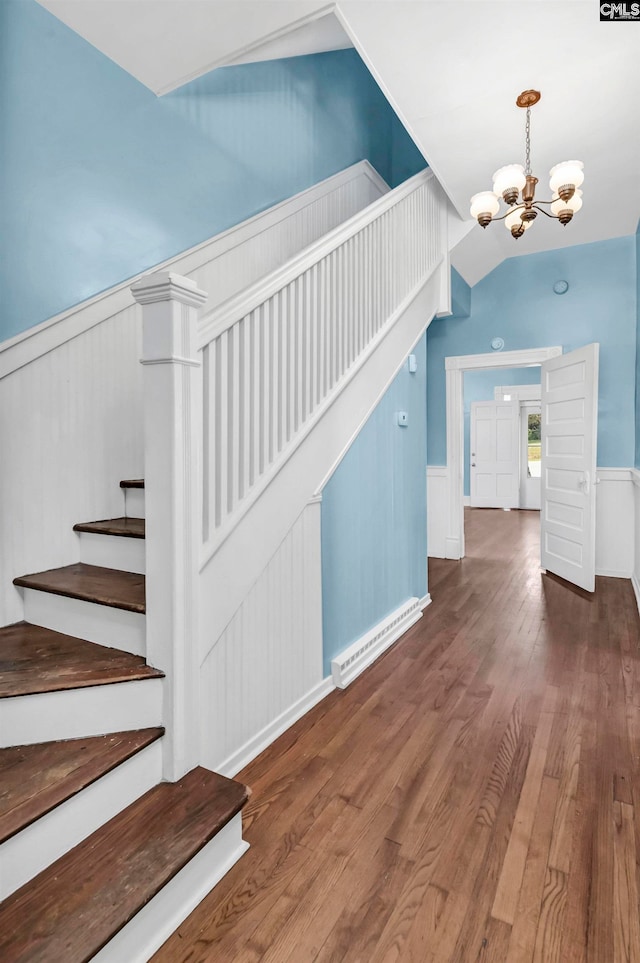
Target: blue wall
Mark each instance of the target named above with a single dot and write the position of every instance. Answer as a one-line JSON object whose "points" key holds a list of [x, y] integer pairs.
{"points": [[374, 543], [101, 180], [516, 302], [478, 386]]}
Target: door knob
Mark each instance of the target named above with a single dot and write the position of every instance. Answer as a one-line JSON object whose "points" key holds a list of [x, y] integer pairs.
{"points": [[473, 464]]}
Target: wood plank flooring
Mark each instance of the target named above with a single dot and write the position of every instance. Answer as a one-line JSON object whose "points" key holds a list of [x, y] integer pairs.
{"points": [[469, 799]]}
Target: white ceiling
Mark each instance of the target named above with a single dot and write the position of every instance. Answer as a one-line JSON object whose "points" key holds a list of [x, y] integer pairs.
{"points": [[452, 70]]}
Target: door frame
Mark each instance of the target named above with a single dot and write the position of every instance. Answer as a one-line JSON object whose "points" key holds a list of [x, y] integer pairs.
{"points": [[455, 367], [527, 408]]}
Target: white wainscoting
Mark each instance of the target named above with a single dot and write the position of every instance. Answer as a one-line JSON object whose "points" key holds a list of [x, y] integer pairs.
{"points": [[71, 388], [266, 670], [635, 578], [615, 549], [70, 429], [615, 522]]}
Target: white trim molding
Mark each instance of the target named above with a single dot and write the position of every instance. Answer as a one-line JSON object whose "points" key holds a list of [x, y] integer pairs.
{"points": [[362, 653], [337, 198], [455, 367], [437, 510], [258, 743]]}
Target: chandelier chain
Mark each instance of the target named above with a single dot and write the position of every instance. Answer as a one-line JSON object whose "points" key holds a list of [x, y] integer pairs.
{"points": [[527, 164]]}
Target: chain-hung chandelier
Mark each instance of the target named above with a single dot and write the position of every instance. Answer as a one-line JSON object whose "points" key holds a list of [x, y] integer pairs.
{"points": [[515, 181]]}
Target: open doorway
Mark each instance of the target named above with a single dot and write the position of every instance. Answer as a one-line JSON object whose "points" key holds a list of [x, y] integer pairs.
{"points": [[502, 440], [456, 366], [570, 413]]}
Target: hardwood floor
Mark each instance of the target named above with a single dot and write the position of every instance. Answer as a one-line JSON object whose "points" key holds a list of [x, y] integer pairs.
{"points": [[469, 799]]}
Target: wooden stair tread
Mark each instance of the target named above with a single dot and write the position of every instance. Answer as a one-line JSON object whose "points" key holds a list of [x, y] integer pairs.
{"points": [[35, 779], [124, 527], [82, 900], [132, 483], [91, 583], [34, 659]]}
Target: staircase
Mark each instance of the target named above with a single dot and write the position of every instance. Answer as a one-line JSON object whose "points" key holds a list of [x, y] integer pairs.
{"points": [[98, 857], [108, 683]]}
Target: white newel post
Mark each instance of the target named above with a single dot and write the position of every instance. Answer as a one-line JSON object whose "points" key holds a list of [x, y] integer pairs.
{"points": [[172, 466]]}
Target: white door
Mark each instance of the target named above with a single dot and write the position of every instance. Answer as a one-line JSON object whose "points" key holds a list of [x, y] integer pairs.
{"points": [[495, 451], [569, 430]]}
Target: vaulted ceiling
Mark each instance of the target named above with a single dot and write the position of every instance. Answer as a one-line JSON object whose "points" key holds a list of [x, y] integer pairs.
{"points": [[451, 69]]}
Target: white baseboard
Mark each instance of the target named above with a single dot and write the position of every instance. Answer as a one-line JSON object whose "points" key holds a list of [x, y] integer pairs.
{"points": [[148, 930], [636, 588], [614, 573], [424, 601], [466, 501], [365, 650], [258, 743]]}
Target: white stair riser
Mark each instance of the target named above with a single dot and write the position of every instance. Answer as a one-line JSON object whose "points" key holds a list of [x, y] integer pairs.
{"points": [[134, 502], [113, 551], [117, 628], [29, 852], [156, 921], [74, 713]]}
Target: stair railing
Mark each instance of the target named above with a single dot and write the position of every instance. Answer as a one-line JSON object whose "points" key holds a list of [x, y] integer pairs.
{"points": [[229, 396], [273, 356]]}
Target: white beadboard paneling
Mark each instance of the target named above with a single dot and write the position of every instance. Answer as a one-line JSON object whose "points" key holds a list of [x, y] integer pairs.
{"points": [[437, 510], [614, 522], [71, 388], [70, 429], [270, 655]]}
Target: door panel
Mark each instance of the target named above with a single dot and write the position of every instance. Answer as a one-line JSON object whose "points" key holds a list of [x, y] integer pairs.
{"points": [[495, 450], [569, 437]]}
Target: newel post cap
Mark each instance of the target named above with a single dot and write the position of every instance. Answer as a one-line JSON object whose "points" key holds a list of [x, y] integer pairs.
{"points": [[167, 286]]}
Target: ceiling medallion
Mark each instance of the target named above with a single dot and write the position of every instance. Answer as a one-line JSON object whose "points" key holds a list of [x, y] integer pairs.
{"points": [[515, 181]]}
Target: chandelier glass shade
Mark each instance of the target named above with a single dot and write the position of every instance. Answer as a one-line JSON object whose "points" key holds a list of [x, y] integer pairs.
{"points": [[516, 185]]}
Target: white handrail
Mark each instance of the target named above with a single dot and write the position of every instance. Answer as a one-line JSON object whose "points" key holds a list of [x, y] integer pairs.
{"points": [[213, 323], [273, 358]]}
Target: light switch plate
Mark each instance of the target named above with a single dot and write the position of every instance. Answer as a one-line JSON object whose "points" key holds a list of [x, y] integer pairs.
{"points": [[403, 419]]}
